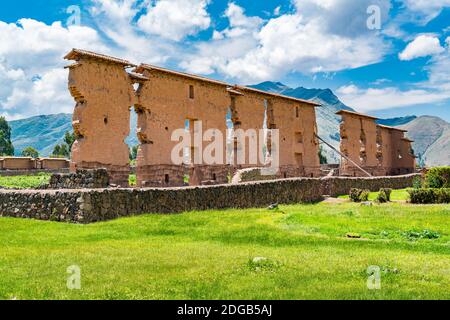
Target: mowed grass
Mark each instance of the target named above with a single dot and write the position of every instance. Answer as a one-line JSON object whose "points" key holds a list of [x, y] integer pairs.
{"points": [[208, 255], [396, 195], [24, 182]]}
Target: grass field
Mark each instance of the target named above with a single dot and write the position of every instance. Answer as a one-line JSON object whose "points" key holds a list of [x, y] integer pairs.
{"points": [[211, 255], [24, 182]]}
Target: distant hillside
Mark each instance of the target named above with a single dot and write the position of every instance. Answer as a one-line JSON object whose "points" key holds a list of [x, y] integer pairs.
{"points": [[46, 131], [40, 132], [393, 122], [431, 137]]}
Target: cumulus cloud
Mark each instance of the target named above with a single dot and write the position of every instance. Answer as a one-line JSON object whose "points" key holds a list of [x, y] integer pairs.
{"points": [[175, 19], [422, 46], [425, 10], [310, 40], [32, 80], [371, 99]]}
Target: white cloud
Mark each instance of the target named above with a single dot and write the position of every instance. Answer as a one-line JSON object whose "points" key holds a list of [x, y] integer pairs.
{"points": [[371, 99], [422, 46], [276, 11], [239, 23], [425, 10], [175, 19], [303, 42], [32, 80]]}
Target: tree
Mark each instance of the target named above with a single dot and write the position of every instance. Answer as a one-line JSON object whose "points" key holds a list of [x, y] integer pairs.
{"points": [[6, 147], [69, 139], [63, 150], [30, 152], [133, 152], [323, 159]]}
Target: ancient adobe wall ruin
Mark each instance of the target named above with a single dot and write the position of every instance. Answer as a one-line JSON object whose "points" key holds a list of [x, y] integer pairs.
{"points": [[165, 101], [103, 92], [379, 150]]}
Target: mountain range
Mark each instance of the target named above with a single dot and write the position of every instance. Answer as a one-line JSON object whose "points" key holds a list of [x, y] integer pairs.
{"points": [[431, 134]]}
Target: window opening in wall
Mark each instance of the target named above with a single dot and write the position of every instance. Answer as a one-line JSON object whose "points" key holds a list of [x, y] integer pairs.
{"points": [[166, 178], [191, 92], [105, 120], [299, 159], [266, 151], [297, 113], [214, 177], [230, 133], [187, 150]]}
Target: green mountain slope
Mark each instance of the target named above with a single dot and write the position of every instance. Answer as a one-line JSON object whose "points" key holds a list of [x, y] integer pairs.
{"points": [[40, 132]]}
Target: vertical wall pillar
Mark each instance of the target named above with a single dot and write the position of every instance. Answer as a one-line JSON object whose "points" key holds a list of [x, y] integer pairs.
{"points": [[103, 93]]}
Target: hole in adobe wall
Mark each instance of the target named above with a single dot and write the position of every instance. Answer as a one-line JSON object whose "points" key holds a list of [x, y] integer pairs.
{"points": [[166, 178], [214, 177], [105, 120]]}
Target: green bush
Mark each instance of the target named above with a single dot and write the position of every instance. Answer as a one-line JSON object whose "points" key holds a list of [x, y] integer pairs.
{"points": [[429, 195], [417, 182], [384, 195], [359, 195], [438, 177]]}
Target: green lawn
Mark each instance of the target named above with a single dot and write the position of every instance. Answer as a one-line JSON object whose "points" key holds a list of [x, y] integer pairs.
{"points": [[24, 182], [396, 195], [209, 255]]}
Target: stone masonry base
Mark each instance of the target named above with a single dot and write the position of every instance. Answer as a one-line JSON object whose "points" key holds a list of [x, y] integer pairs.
{"points": [[91, 205]]}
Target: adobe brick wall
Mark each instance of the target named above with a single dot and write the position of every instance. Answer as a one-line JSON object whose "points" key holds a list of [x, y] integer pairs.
{"points": [[91, 205]]}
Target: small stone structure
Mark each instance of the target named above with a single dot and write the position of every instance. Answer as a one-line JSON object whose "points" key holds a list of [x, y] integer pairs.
{"points": [[379, 150], [91, 205], [81, 179]]}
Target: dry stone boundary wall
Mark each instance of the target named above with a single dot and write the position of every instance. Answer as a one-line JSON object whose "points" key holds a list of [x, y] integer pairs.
{"points": [[92, 205]]}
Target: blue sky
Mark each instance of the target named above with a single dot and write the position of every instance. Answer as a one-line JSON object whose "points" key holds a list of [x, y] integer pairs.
{"points": [[383, 57]]}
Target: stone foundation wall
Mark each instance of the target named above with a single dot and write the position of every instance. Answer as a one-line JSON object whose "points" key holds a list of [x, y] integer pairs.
{"points": [[118, 175], [335, 186], [163, 175], [81, 179], [92, 205]]}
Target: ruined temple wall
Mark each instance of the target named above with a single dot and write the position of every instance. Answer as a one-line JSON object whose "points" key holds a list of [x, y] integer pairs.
{"points": [[101, 120], [298, 146], [350, 130], [166, 103], [407, 162], [386, 150], [248, 112], [311, 160], [359, 136]]}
